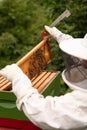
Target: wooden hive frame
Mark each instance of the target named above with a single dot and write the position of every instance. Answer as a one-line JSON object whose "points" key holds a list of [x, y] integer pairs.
{"points": [[33, 65]]}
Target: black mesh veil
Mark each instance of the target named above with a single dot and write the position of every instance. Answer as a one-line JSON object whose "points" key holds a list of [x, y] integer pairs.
{"points": [[76, 69]]}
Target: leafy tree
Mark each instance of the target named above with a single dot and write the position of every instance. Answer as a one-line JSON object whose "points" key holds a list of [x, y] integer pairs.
{"points": [[8, 52], [23, 20], [76, 23], [78, 18]]}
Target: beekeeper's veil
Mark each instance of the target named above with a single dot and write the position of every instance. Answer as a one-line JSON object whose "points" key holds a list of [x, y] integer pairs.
{"points": [[75, 74]]}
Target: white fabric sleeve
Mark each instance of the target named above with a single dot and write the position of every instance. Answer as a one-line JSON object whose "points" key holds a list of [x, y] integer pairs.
{"points": [[63, 37], [57, 34], [68, 112]]}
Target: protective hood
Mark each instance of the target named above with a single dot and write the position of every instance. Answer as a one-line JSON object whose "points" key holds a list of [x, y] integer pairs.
{"points": [[75, 80], [76, 47], [75, 74]]}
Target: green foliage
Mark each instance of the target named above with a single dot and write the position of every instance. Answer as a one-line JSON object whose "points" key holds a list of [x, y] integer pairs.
{"points": [[8, 51], [57, 61], [7, 42], [78, 19], [23, 20], [76, 23]]}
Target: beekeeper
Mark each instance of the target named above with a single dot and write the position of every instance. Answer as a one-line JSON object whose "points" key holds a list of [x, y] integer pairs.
{"points": [[66, 112]]}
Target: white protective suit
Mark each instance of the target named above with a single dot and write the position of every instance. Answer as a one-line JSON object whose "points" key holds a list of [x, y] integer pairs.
{"points": [[67, 112]]}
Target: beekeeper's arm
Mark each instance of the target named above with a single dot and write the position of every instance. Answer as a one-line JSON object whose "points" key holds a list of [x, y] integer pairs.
{"points": [[67, 112], [57, 34]]}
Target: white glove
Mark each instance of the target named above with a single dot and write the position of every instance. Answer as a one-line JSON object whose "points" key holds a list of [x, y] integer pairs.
{"points": [[11, 72], [57, 34], [21, 84]]}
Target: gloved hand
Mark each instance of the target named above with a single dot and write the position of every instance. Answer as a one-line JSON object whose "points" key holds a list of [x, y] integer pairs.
{"points": [[57, 34], [11, 72], [21, 84]]}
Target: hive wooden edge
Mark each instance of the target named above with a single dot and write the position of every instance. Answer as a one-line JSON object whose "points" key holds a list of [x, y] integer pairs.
{"points": [[57, 73]]}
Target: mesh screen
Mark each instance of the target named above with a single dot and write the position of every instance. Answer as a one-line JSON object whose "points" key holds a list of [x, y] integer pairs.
{"points": [[76, 69]]}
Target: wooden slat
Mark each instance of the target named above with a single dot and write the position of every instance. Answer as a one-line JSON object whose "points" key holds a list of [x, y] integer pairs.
{"points": [[41, 80], [1, 77], [6, 86], [46, 82], [4, 83], [39, 77]]}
